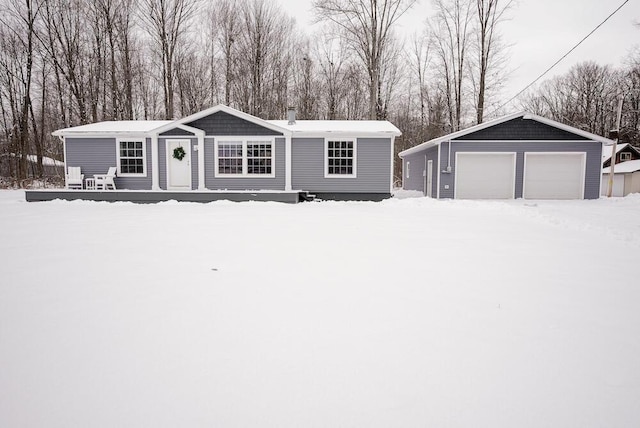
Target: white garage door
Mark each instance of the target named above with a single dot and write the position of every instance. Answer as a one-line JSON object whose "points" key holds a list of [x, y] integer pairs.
{"points": [[554, 175], [485, 175]]}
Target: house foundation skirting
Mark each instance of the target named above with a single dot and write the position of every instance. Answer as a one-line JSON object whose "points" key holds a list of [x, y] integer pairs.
{"points": [[149, 197]]}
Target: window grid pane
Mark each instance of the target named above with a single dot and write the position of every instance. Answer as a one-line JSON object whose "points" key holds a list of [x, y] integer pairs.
{"points": [[259, 158], [131, 157], [230, 158], [340, 157]]}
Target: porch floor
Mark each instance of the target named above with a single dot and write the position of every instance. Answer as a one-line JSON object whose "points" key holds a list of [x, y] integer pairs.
{"points": [[151, 196]]}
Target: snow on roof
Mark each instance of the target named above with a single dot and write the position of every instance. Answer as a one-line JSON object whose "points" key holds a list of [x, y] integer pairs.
{"points": [[114, 127], [624, 167], [338, 126], [607, 149]]}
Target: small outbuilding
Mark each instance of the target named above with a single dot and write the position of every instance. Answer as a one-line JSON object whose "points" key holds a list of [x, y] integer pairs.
{"points": [[521, 155], [626, 178]]}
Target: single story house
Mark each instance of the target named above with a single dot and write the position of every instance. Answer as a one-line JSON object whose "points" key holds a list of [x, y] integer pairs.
{"points": [[520, 155], [626, 178], [225, 151]]}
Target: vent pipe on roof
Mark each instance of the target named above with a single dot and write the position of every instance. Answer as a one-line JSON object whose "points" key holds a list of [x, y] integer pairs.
{"points": [[291, 115]]}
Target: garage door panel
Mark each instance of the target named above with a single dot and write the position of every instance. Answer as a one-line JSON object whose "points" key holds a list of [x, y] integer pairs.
{"points": [[554, 175], [485, 175]]}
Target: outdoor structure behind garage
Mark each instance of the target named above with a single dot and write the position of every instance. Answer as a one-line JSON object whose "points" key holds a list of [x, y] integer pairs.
{"points": [[516, 156]]}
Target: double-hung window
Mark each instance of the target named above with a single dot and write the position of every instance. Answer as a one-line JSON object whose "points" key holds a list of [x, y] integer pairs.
{"points": [[340, 158], [251, 157], [132, 157]]}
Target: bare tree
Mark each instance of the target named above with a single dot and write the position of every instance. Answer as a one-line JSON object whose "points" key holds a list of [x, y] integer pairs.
{"points": [[166, 22], [367, 28], [451, 42], [489, 14]]}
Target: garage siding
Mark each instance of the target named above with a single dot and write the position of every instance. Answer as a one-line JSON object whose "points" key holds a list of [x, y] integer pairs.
{"points": [[415, 181], [593, 150]]}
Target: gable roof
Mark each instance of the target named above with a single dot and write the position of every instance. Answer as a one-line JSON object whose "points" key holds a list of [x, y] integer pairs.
{"points": [[300, 127], [606, 150], [222, 108], [624, 167], [484, 125]]}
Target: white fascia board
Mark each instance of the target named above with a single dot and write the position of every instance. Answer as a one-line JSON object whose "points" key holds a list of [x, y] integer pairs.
{"points": [[484, 125], [343, 134], [110, 134], [458, 134], [226, 109]]}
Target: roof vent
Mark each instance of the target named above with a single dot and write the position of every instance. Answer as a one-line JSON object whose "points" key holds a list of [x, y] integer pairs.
{"points": [[291, 115]]}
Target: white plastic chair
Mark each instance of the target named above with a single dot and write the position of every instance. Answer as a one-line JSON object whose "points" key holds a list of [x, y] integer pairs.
{"points": [[103, 181], [74, 178]]}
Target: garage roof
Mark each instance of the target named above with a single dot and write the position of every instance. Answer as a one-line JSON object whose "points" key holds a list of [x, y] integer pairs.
{"points": [[481, 126]]}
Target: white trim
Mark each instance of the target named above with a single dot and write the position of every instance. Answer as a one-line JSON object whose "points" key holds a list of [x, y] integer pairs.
{"points": [[155, 163], [408, 169], [355, 157], [428, 177], [244, 140], [626, 154], [201, 164], [225, 109], [514, 155], [168, 157], [288, 156], [524, 115], [438, 172], [144, 156], [526, 141], [392, 157], [583, 155]]}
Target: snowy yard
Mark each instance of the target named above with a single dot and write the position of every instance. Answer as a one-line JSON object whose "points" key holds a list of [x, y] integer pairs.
{"points": [[405, 313]]}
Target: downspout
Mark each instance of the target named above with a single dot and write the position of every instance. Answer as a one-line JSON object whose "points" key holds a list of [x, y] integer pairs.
{"points": [[155, 173]]}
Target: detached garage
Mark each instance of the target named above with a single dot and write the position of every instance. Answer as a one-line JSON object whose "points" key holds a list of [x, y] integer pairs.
{"points": [[517, 156]]}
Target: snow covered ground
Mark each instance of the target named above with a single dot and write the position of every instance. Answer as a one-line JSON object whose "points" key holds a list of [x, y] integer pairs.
{"points": [[406, 313]]}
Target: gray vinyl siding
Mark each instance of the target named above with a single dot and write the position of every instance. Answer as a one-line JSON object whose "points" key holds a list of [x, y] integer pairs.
{"points": [[592, 149], [249, 183], [97, 155], [418, 166], [162, 161], [373, 172], [221, 123]]}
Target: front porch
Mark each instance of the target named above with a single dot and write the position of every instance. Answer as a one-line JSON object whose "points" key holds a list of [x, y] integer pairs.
{"points": [[150, 196]]}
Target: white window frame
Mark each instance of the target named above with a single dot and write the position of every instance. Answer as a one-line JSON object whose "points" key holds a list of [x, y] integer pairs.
{"points": [[355, 157], [144, 156], [625, 156], [244, 140]]}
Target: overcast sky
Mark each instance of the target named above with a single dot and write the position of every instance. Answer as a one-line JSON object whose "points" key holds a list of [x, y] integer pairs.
{"points": [[539, 32]]}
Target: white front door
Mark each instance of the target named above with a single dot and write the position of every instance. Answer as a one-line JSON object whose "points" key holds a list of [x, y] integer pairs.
{"points": [[178, 165]]}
